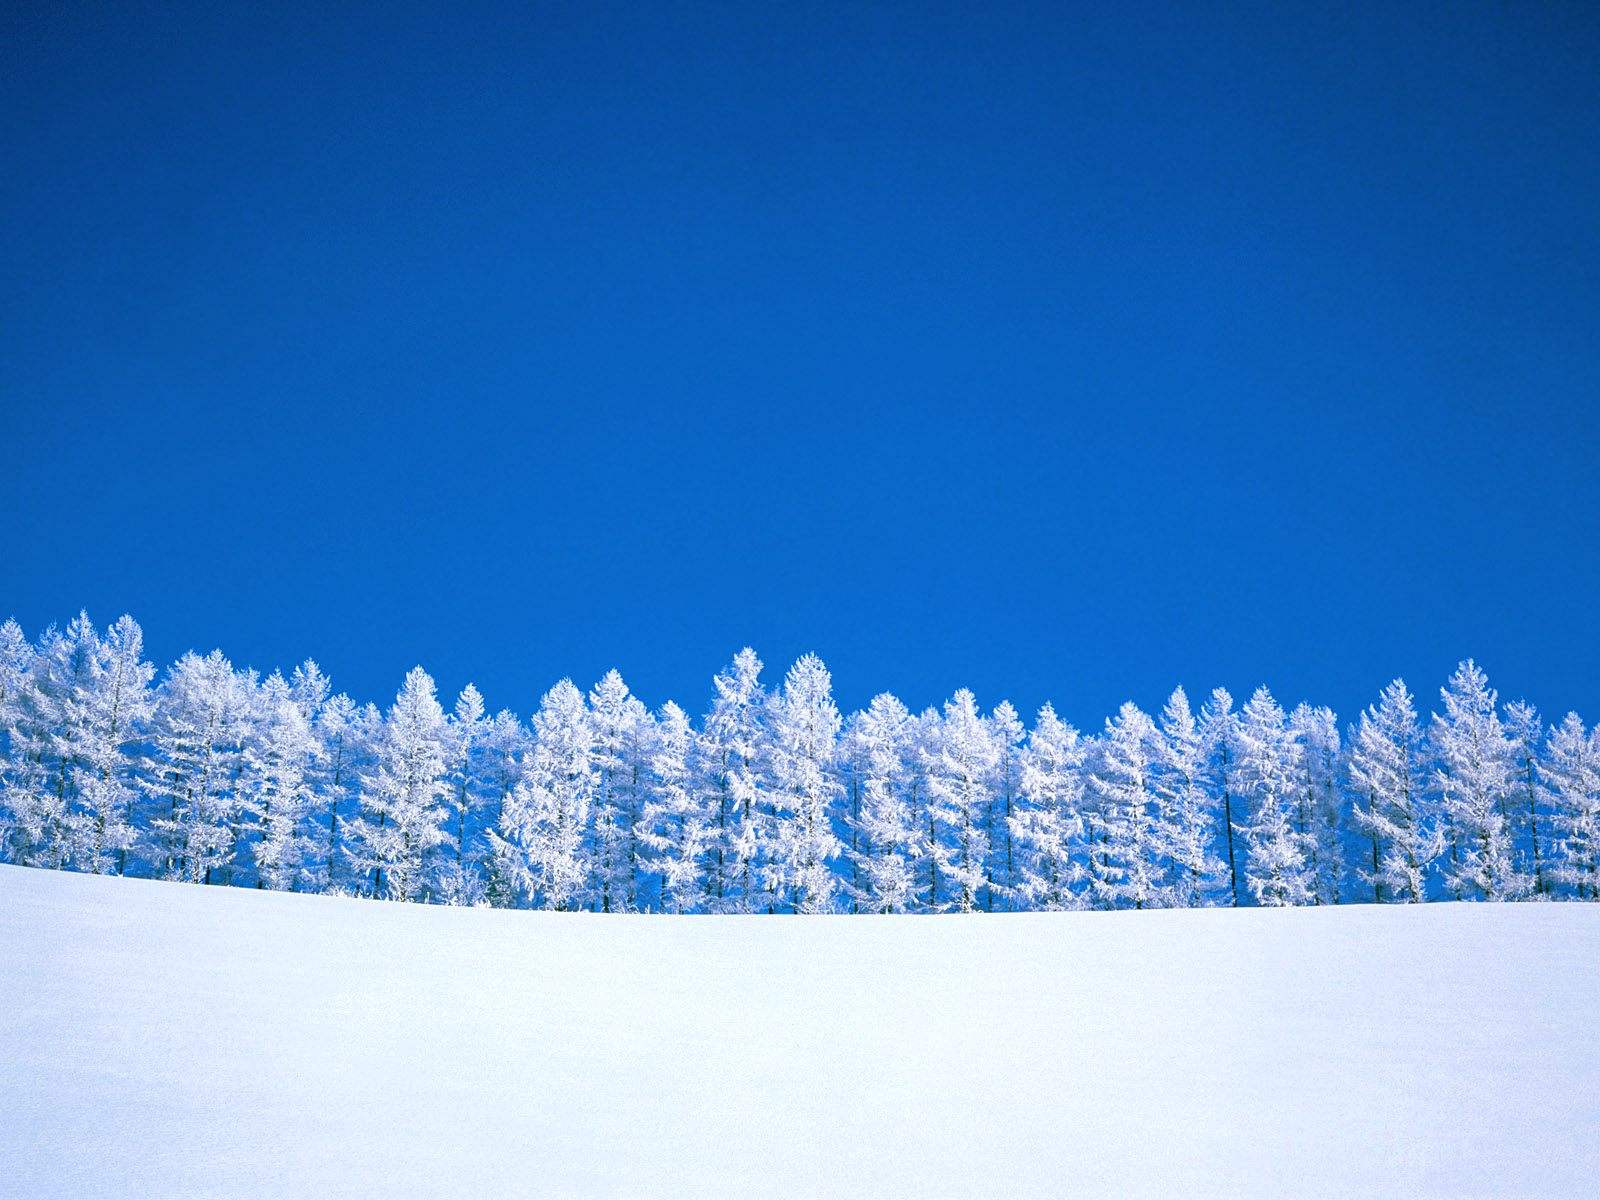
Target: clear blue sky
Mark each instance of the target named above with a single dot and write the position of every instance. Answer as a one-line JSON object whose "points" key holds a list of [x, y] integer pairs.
{"points": [[1063, 352]]}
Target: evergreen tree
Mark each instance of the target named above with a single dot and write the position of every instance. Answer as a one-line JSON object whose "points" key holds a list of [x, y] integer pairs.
{"points": [[1473, 781], [1571, 792], [402, 799], [805, 726], [1047, 822], [961, 773], [1390, 809], [1278, 868], [538, 847]]}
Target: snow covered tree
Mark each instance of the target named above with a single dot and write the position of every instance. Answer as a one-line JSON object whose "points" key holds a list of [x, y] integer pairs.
{"points": [[1126, 868], [1218, 725], [1047, 822], [16, 671], [732, 764], [402, 799], [459, 878], [346, 736], [1524, 729], [805, 726], [961, 774], [884, 852], [1319, 810], [197, 736], [539, 846], [1473, 781], [275, 790], [620, 727], [1189, 810], [1277, 869], [1571, 793], [1009, 736], [1390, 807], [675, 827]]}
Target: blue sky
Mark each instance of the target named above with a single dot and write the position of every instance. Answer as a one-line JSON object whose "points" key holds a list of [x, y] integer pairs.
{"points": [[1058, 352]]}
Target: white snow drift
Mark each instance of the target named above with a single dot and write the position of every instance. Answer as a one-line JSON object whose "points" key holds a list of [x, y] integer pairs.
{"points": [[170, 1040]]}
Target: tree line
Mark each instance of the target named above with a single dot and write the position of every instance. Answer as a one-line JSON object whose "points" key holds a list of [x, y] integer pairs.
{"points": [[773, 801]]}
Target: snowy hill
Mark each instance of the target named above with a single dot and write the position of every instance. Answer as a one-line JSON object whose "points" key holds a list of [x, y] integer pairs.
{"points": [[171, 1040]]}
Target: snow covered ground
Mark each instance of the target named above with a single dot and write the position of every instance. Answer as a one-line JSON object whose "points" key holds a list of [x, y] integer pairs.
{"points": [[166, 1040]]}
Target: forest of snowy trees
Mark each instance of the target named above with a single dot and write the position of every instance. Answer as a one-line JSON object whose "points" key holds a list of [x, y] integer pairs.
{"points": [[772, 801]]}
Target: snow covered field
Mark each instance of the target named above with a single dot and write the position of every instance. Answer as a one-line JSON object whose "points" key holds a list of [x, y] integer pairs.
{"points": [[170, 1040]]}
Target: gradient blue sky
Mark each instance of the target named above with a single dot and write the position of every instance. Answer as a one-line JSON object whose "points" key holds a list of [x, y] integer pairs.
{"points": [[1063, 352]]}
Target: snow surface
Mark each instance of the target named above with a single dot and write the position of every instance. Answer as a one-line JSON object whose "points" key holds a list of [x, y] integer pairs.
{"points": [[169, 1040]]}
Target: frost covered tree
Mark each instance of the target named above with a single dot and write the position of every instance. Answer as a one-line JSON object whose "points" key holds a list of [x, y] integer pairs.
{"points": [[675, 827], [197, 737], [885, 850], [805, 786], [347, 735], [1319, 809], [275, 789], [1277, 869], [402, 798], [1189, 810], [1218, 726], [732, 753], [1473, 780], [459, 872], [1523, 728], [1047, 822], [961, 772], [539, 847], [1389, 802], [620, 737], [1126, 867], [1009, 735], [1571, 793]]}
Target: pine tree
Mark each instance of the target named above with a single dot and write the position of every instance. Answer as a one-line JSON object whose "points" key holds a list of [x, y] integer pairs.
{"points": [[16, 771], [1473, 781], [732, 765], [539, 846], [1047, 822], [621, 733], [402, 799], [1390, 808], [1278, 869], [1571, 792], [961, 775], [884, 851], [805, 726], [1523, 728], [1218, 727], [675, 827], [1189, 810], [1126, 868]]}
